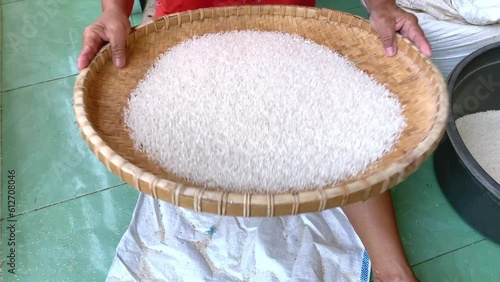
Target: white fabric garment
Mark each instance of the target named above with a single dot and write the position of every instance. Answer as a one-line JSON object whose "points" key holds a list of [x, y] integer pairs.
{"points": [[451, 42], [479, 12], [446, 26], [475, 12], [166, 243], [439, 9]]}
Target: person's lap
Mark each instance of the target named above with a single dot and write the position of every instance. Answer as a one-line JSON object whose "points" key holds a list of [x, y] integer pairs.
{"points": [[166, 243], [452, 41]]}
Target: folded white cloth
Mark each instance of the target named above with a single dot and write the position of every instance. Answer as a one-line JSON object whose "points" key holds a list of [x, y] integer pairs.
{"points": [[475, 12], [166, 243]]}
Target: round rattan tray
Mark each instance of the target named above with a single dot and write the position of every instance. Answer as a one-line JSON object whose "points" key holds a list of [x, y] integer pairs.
{"points": [[102, 92]]}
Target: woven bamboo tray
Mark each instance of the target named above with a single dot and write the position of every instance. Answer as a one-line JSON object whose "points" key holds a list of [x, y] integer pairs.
{"points": [[102, 92]]}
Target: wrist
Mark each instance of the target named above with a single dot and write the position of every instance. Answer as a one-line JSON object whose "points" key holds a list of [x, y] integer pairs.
{"points": [[372, 5], [123, 7]]}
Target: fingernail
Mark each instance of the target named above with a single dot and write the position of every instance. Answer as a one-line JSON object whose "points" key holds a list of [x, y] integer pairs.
{"points": [[119, 62], [390, 51]]}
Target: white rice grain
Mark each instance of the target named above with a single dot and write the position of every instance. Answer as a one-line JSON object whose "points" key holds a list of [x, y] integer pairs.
{"points": [[481, 134], [261, 112]]}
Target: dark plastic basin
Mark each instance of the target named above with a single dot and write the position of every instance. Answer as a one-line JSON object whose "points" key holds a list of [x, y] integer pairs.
{"points": [[474, 86]]}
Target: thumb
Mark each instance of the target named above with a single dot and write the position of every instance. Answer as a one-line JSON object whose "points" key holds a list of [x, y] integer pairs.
{"points": [[386, 28], [118, 48]]}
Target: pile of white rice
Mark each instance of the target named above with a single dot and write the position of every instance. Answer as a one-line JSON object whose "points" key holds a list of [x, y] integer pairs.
{"points": [[481, 134], [261, 112]]}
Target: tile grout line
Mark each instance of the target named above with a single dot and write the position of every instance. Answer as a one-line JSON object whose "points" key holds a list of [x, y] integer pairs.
{"points": [[449, 252], [14, 1], [37, 83], [66, 200]]}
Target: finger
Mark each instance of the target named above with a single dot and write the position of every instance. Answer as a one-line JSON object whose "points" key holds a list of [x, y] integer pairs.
{"points": [[117, 38], [91, 44], [85, 57], [385, 26], [417, 36]]}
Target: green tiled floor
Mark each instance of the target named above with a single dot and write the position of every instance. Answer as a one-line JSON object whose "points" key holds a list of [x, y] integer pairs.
{"points": [[8, 1], [42, 39], [427, 223], [42, 143], [71, 212], [73, 239], [475, 262], [136, 19]]}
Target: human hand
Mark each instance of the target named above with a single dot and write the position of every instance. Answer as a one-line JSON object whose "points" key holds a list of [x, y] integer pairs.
{"points": [[387, 19], [112, 26]]}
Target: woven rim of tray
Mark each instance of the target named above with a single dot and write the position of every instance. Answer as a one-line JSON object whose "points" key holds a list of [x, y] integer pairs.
{"points": [[266, 205]]}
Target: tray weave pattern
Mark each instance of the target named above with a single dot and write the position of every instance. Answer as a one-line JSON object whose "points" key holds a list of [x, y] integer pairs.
{"points": [[101, 94]]}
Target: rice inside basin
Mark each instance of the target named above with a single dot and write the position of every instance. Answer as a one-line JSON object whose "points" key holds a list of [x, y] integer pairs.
{"points": [[102, 92], [474, 86]]}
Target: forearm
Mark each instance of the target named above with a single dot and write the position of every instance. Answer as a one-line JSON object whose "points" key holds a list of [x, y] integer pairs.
{"points": [[125, 6], [370, 4]]}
